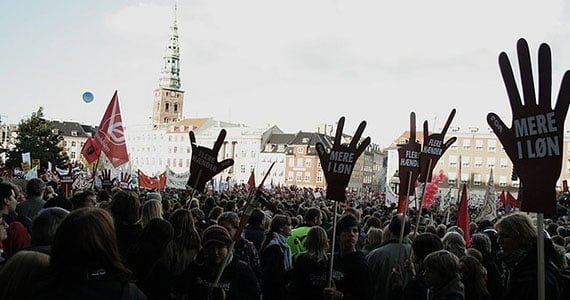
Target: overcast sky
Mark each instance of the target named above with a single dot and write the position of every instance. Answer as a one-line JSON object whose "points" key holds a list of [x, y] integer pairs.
{"points": [[294, 63]]}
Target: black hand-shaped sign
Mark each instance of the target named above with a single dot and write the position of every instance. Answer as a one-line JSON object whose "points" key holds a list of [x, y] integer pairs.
{"points": [[433, 149], [535, 141], [339, 163], [205, 163], [106, 180], [409, 161], [125, 180]]}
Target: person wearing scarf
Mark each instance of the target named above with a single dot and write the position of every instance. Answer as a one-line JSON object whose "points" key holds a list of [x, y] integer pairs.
{"points": [[276, 259]]}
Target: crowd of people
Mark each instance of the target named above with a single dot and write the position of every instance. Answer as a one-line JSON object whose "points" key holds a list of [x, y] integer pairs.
{"points": [[171, 244]]}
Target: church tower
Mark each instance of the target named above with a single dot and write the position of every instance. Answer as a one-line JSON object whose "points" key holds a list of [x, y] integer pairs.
{"points": [[168, 98]]}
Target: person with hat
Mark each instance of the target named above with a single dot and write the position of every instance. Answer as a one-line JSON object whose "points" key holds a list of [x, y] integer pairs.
{"points": [[198, 280]]}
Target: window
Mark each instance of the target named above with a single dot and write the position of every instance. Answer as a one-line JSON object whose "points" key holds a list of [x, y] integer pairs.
{"points": [[453, 160], [242, 153], [479, 145], [166, 106], [253, 154], [251, 168], [174, 162], [504, 163], [307, 163], [478, 162], [65, 143], [466, 144], [187, 163], [175, 107], [319, 177], [307, 177], [299, 176], [291, 162], [175, 149], [451, 177], [299, 162], [491, 145], [477, 179], [242, 169], [465, 161], [299, 149], [290, 176], [73, 144], [490, 162], [72, 155], [464, 178], [318, 164]]}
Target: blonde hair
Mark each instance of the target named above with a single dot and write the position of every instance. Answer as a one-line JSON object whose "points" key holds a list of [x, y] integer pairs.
{"points": [[151, 209], [453, 242], [317, 243], [373, 238]]}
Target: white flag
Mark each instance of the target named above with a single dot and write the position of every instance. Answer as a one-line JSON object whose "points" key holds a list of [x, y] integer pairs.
{"points": [[489, 210]]}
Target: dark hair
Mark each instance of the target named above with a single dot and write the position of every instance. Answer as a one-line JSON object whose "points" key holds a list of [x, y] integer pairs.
{"points": [[35, 187], [151, 246], [5, 192], [396, 225], [278, 222], [45, 225], [312, 214], [186, 242], [78, 200], [215, 213], [473, 277], [256, 218], [125, 207], [425, 244], [345, 222], [84, 243]]}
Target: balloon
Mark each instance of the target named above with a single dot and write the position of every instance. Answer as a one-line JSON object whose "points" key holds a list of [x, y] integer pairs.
{"points": [[88, 97]]}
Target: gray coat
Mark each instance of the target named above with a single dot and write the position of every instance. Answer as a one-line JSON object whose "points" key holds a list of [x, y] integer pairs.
{"points": [[382, 260]]}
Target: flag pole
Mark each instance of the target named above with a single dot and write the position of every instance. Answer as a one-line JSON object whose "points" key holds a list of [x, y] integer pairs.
{"points": [[95, 170], [331, 264], [401, 239]]}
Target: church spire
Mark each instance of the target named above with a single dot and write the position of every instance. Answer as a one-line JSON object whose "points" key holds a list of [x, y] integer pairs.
{"points": [[170, 74]]}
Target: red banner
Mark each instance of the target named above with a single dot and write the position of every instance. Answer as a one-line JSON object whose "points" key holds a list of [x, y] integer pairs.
{"points": [[111, 135], [91, 150], [158, 182], [463, 216]]}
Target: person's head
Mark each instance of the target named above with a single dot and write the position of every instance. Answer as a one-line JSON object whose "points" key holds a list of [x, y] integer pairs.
{"points": [[425, 244], [454, 243], [373, 238], [35, 187], [151, 209], [373, 222], [216, 241], [441, 230], [182, 222], [354, 212], [317, 240], [230, 221], [22, 272], [516, 231], [281, 224], [472, 272], [7, 197], [440, 267], [154, 196], [348, 231], [151, 246], [45, 225], [82, 199], [215, 213], [481, 242], [257, 218], [475, 253], [395, 226], [313, 216], [125, 207], [85, 242]]}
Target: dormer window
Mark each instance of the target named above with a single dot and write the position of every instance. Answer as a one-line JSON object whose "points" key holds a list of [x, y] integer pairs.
{"points": [[55, 131], [73, 133]]}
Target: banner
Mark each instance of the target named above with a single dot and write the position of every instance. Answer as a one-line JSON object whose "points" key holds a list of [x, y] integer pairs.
{"points": [[176, 180], [463, 216], [91, 150], [489, 211], [158, 182], [111, 135]]}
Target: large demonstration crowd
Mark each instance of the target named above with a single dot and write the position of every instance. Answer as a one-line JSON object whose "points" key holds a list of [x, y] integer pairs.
{"points": [[122, 244]]}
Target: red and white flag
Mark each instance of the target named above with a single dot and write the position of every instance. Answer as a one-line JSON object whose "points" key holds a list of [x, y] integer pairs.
{"points": [[111, 134]]}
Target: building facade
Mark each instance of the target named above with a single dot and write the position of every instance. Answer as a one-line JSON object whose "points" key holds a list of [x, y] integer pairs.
{"points": [[74, 137]]}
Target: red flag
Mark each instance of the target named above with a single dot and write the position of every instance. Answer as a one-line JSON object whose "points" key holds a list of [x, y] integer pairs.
{"points": [[152, 182], [111, 135], [91, 150], [512, 201], [463, 216], [401, 204], [503, 199], [251, 181], [565, 186]]}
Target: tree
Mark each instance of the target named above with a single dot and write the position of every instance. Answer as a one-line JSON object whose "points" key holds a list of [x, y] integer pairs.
{"points": [[36, 135]]}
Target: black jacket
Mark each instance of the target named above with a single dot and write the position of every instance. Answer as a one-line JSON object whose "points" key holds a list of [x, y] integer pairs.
{"points": [[309, 278], [352, 276]]}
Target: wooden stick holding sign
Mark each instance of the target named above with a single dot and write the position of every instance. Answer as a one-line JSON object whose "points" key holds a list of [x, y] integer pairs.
{"points": [[337, 166], [433, 149], [409, 170], [534, 142], [204, 163]]}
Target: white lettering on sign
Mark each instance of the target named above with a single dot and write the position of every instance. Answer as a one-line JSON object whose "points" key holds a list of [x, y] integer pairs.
{"points": [[411, 159], [537, 147], [340, 162], [205, 160]]}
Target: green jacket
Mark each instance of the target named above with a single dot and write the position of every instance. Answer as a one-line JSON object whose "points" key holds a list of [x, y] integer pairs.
{"points": [[296, 240]]}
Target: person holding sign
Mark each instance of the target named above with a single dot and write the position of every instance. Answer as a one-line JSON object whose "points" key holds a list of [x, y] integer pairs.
{"points": [[205, 163]]}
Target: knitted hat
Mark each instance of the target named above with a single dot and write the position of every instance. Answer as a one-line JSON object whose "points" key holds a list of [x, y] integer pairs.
{"points": [[216, 234]]}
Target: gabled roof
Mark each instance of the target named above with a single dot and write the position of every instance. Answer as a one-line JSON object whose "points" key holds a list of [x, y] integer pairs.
{"points": [[311, 139], [66, 128], [281, 138]]}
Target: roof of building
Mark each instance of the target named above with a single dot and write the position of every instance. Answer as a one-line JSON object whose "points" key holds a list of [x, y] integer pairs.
{"points": [[281, 138], [67, 128]]}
